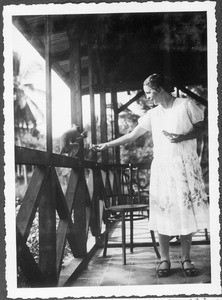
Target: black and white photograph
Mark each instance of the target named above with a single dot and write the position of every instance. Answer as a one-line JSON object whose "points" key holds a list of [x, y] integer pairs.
{"points": [[111, 150]]}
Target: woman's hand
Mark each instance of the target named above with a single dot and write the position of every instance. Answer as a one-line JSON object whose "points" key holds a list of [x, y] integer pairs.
{"points": [[179, 138], [195, 133], [99, 147], [173, 137]]}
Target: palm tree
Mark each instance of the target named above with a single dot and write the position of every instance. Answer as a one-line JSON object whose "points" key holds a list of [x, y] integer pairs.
{"points": [[27, 114]]}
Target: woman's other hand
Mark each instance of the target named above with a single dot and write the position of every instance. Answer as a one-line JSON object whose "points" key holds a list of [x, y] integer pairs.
{"points": [[173, 137], [179, 138]]}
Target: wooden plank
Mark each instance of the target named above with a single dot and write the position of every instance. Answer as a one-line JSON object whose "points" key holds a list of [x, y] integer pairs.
{"points": [[88, 207], [88, 216], [61, 236], [120, 87], [48, 85], [61, 204], [65, 231], [73, 32], [98, 193], [80, 215], [101, 186], [191, 94], [81, 266], [117, 166], [47, 232], [116, 183], [25, 156], [138, 95], [27, 263], [102, 199], [75, 77], [116, 124], [91, 94], [94, 189], [64, 227], [108, 187], [74, 192], [71, 189], [103, 125], [30, 202], [90, 183]]}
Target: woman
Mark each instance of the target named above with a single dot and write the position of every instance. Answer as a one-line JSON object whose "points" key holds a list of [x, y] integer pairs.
{"points": [[178, 202]]}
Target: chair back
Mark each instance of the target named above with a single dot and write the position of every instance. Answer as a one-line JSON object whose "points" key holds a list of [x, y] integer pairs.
{"points": [[123, 186]]}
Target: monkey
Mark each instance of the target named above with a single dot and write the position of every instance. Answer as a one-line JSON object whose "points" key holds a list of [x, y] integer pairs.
{"points": [[69, 141]]}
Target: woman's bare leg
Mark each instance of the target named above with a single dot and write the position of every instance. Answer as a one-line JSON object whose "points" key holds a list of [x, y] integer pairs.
{"points": [[186, 241], [164, 241]]}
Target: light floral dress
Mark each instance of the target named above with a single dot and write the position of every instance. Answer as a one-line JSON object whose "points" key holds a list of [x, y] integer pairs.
{"points": [[178, 202]]}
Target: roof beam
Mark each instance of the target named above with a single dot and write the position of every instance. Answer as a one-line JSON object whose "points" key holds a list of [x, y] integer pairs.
{"points": [[138, 95], [36, 42]]}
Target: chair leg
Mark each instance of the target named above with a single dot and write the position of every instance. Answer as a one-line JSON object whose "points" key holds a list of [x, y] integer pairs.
{"points": [[106, 237], [206, 234], [131, 232], [123, 238]]}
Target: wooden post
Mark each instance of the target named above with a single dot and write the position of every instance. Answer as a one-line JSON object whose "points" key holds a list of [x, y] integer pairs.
{"points": [[91, 94], [73, 33], [47, 219], [27, 263], [116, 125], [103, 125], [79, 212], [48, 85], [47, 232]]}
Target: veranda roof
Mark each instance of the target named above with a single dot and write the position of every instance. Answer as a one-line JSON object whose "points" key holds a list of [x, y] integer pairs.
{"points": [[126, 48]]}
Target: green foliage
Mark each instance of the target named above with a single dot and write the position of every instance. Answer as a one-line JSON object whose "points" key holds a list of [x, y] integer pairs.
{"points": [[26, 138]]}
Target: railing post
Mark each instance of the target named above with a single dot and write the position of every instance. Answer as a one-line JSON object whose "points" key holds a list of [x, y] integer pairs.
{"points": [[116, 125], [73, 32], [92, 98], [47, 232], [48, 85], [79, 213], [103, 126], [47, 218]]}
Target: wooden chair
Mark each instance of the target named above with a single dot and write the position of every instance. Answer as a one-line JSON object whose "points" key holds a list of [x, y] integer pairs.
{"points": [[124, 205]]}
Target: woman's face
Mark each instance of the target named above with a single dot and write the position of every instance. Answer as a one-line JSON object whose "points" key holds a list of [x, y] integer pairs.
{"points": [[152, 95]]}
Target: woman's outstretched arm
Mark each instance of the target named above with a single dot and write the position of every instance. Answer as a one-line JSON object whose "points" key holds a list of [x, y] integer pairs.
{"points": [[129, 137]]}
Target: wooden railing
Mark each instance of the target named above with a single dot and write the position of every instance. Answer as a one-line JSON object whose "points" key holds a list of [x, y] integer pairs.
{"points": [[62, 216]]}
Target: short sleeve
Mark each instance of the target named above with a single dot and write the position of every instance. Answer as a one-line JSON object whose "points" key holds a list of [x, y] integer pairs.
{"points": [[195, 113], [145, 121]]}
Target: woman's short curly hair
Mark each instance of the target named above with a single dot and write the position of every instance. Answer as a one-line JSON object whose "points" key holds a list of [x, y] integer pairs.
{"points": [[155, 81]]}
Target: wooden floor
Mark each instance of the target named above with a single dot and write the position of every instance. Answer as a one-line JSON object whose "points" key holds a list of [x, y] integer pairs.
{"points": [[140, 268]]}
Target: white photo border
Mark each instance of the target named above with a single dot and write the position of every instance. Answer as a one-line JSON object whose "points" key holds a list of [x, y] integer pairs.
{"points": [[212, 288]]}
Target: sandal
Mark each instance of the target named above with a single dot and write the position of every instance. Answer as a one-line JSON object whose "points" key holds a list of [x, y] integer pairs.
{"points": [[163, 272], [189, 272]]}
